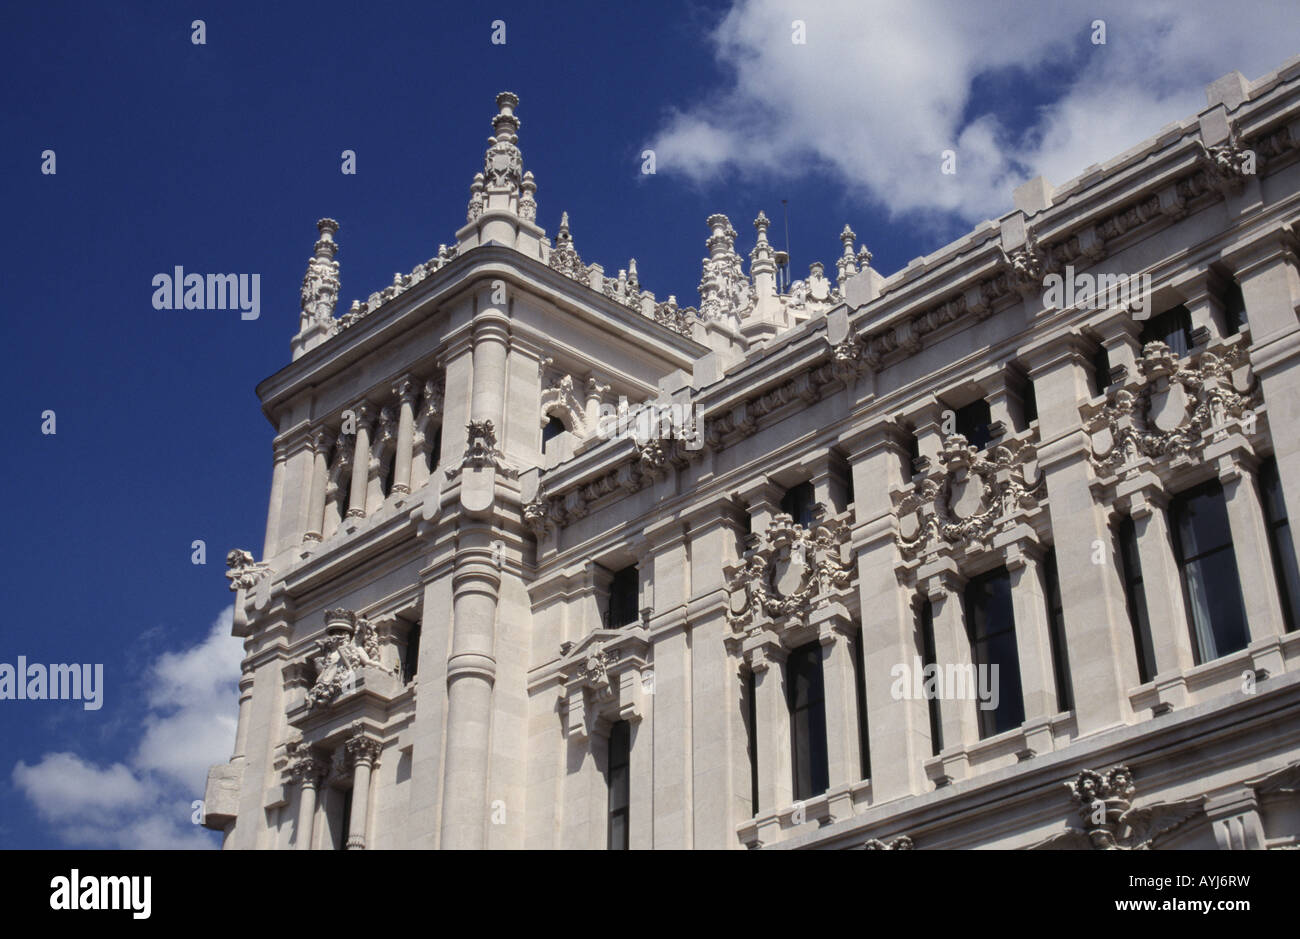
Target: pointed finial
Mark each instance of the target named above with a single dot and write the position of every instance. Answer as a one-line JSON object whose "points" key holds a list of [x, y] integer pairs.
{"points": [[848, 237], [505, 121], [761, 224], [864, 258], [326, 245]]}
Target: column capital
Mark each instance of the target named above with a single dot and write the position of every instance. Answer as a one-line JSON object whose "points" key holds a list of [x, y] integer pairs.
{"points": [[362, 749], [406, 389]]}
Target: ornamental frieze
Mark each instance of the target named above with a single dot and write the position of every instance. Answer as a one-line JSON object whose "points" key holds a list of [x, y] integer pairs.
{"points": [[1172, 410], [966, 497], [791, 572]]}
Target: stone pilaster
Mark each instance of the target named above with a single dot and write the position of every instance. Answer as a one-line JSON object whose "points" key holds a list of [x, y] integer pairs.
{"points": [[1166, 613], [364, 416], [362, 753]]}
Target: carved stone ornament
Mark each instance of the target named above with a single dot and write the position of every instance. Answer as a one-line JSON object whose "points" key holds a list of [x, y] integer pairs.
{"points": [[304, 764], [320, 285], [1228, 164], [1171, 410], [966, 497], [606, 678], [564, 256], [595, 673], [902, 843], [561, 396], [1110, 824], [1025, 268], [725, 292], [242, 571], [350, 643], [481, 451], [791, 572]]}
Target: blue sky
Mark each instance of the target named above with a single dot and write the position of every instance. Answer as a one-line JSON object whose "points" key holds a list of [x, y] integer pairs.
{"points": [[221, 157]]}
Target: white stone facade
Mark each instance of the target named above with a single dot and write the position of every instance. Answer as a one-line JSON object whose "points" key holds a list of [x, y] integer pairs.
{"points": [[483, 618]]}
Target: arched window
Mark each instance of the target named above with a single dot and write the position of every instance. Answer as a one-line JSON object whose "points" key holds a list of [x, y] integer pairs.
{"points": [[554, 427]]}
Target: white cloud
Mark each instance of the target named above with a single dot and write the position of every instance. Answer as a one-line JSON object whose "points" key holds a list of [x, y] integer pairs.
{"points": [[145, 802], [880, 90]]}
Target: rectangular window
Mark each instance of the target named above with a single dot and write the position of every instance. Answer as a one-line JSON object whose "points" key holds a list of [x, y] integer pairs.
{"points": [[411, 660], [1056, 625], [1172, 327], [807, 703], [751, 739], [1135, 599], [925, 623], [1100, 370], [618, 775], [1234, 308], [345, 822], [798, 503], [622, 599], [991, 627], [973, 423], [1280, 542], [860, 686], [1211, 587]]}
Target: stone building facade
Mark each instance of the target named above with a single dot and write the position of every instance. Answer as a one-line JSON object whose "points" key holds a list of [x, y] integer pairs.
{"points": [[992, 552]]}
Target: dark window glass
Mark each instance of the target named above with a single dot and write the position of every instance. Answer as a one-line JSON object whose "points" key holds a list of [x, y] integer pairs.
{"points": [[973, 423], [389, 475], [346, 822], [925, 617], [1172, 327], [622, 599], [798, 503], [1211, 588], [1029, 404], [554, 427], [807, 701], [1056, 622], [1135, 599], [913, 454], [1279, 537], [1234, 308], [1100, 370], [860, 685], [435, 450], [618, 776], [412, 661], [992, 630], [751, 739]]}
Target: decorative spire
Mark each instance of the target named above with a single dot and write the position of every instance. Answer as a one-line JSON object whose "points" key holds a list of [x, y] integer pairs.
{"points": [[762, 260], [528, 201], [725, 292], [503, 185], [503, 164], [564, 257], [320, 285], [846, 265]]}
